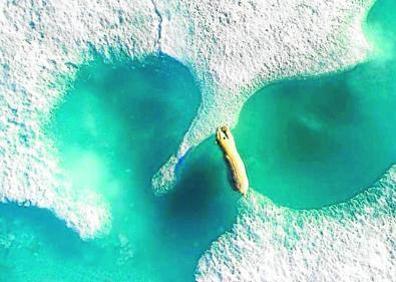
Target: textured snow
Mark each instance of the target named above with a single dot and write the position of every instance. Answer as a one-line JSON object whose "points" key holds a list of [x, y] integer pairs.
{"points": [[38, 41], [352, 241], [232, 47]]}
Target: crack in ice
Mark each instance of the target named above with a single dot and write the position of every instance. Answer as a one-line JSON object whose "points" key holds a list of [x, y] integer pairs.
{"points": [[159, 28]]}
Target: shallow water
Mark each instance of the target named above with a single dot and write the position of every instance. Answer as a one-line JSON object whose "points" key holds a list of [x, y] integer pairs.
{"points": [[112, 130], [319, 141], [306, 143]]}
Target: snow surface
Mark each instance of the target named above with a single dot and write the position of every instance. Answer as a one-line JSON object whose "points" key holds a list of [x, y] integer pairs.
{"points": [[352, 241], [233, 48]]}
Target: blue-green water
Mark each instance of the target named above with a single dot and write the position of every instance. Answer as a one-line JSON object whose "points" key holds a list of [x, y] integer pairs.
{"points": [[114, 128], [319, 141], [306, 143]]}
